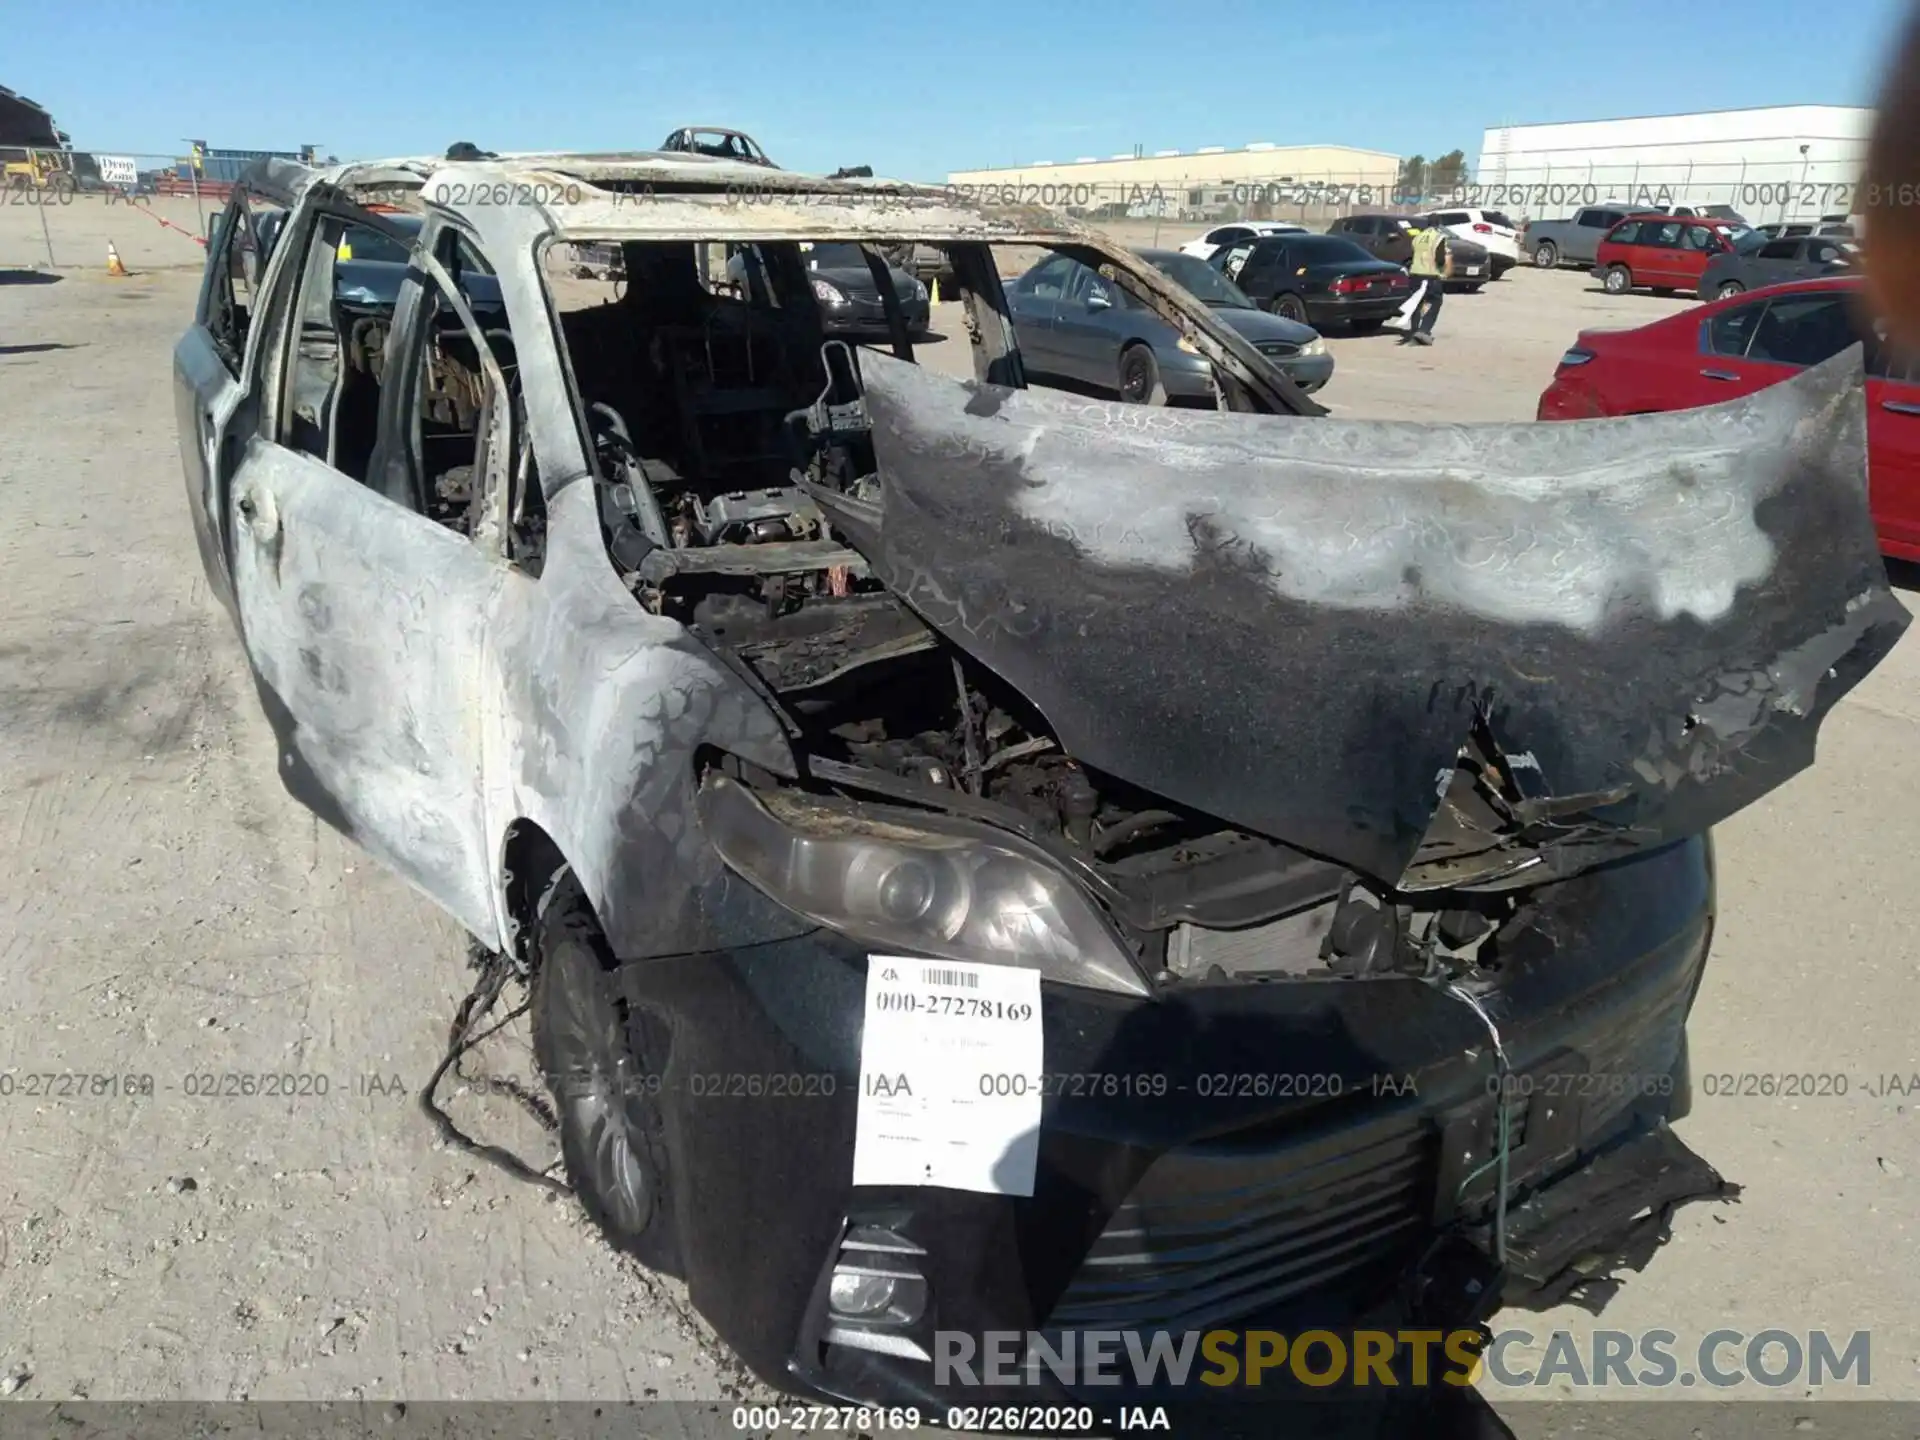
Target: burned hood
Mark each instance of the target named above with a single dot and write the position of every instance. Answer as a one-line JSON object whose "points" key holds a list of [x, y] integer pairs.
{"points": [[1439, 654]]}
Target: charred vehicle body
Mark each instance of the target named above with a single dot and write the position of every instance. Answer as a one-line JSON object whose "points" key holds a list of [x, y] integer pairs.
{"points": [[691, 658]]}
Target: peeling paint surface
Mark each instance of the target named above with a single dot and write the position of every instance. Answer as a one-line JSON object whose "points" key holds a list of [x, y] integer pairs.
{"points": [[1332, 605]]}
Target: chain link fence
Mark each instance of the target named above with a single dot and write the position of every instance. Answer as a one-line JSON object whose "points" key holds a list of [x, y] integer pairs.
{"points": [[1168, 210], [64, 209]]}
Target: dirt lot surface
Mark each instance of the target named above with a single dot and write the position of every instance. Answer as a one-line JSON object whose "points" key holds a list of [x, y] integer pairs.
{"points": [[151, 233], [170, 913]]}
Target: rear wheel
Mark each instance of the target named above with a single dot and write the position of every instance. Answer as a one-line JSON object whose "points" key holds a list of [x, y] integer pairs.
{"points": [[1289, 306], [1728, 289], [1546, 255], [1140, 377], [585, 1042], [1619, 280]]}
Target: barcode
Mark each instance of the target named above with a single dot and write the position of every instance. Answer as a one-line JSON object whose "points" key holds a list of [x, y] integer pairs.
{"points": [[953, 979]]}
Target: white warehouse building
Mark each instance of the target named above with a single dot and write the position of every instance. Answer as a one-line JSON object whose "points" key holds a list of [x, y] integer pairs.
{"points": [[1774, 162]]}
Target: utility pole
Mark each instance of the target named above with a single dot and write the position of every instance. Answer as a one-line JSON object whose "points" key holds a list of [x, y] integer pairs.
{"points": [[193, 178]]}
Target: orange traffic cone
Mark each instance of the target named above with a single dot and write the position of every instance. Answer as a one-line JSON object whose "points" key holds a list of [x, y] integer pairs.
{"points": [[114, 267]]}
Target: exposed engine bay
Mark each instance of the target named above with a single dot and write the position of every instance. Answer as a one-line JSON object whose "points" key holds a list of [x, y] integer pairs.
{"points": [[740, 546]]}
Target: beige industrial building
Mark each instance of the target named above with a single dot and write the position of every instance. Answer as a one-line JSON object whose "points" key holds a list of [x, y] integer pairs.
{"points": [[1209, 181]]}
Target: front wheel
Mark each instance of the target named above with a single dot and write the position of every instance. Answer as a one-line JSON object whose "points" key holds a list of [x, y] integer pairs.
{"points": [[1619, 280], [585, 1042], [1140, 377], [1546, 255], [1728, 289], [1289, 306]]}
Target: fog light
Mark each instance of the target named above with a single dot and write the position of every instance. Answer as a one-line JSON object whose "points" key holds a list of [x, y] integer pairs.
{"points": [[856, 1297]]}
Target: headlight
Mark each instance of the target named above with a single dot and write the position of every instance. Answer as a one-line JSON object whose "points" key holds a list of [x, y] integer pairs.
{"points": [[919, 290], [1183, 343], [828, 293], [920, 883], [1315, 346]]}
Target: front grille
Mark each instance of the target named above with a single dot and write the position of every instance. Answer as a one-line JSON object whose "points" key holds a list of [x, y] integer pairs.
{"points": [[1278, 348], [1257, 1225], [1219, 1233]]}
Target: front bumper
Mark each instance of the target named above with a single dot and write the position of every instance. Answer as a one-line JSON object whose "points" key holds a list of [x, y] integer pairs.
{"points": [[1221, 1201], [868, 318], [1191, 376]]}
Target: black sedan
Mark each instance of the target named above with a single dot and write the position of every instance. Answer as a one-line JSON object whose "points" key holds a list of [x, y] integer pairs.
{"points": [[850, 303], [1073, 325], [368, 268], [1755, 261], [1320, 280]]}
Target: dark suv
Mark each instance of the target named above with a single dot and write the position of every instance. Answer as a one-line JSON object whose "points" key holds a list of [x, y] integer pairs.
{"points": [[1385, 237]]}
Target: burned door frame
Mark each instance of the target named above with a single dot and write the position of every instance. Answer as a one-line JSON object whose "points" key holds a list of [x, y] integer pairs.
{"points": [[217, 387], [364, 619]]}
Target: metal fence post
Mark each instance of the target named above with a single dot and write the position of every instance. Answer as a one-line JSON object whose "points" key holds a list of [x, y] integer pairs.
{"points": [[47, 235]]}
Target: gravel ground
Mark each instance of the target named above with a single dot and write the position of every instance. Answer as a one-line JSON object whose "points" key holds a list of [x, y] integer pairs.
{"points": [[170, 913]]}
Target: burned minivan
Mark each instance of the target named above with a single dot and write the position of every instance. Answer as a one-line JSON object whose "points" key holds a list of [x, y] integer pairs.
{"points": [[989, 859]]}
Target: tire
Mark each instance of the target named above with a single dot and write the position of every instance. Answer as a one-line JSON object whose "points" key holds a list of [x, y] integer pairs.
{"points": [[1288, 306], [1618, 281], [585, 1043], [1546, 255], [1140, 376], [1728, 289]]}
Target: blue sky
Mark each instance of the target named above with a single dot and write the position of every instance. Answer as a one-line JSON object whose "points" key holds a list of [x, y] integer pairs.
{"points": [[914, 89]]}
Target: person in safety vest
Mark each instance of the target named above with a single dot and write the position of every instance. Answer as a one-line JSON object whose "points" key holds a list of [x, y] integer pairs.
{"points": [[1429, 267]]}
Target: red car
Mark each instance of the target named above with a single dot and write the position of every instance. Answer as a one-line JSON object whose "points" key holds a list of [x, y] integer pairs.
{"points": [[1744, 343], [1661, 253]]}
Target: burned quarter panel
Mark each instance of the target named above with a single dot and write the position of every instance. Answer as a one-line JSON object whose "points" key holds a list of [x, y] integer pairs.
{"points": [[604, 708]]}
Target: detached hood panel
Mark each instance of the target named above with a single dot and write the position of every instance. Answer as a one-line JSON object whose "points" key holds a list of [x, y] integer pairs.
{"points": [[1300, 626]]}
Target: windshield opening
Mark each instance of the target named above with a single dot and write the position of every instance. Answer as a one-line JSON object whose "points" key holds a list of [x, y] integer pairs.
{"points": [[360, 243], [837, 255]]}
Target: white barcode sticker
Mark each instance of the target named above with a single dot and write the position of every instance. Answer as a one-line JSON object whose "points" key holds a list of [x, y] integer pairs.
{"points": [[951, 1059]]}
